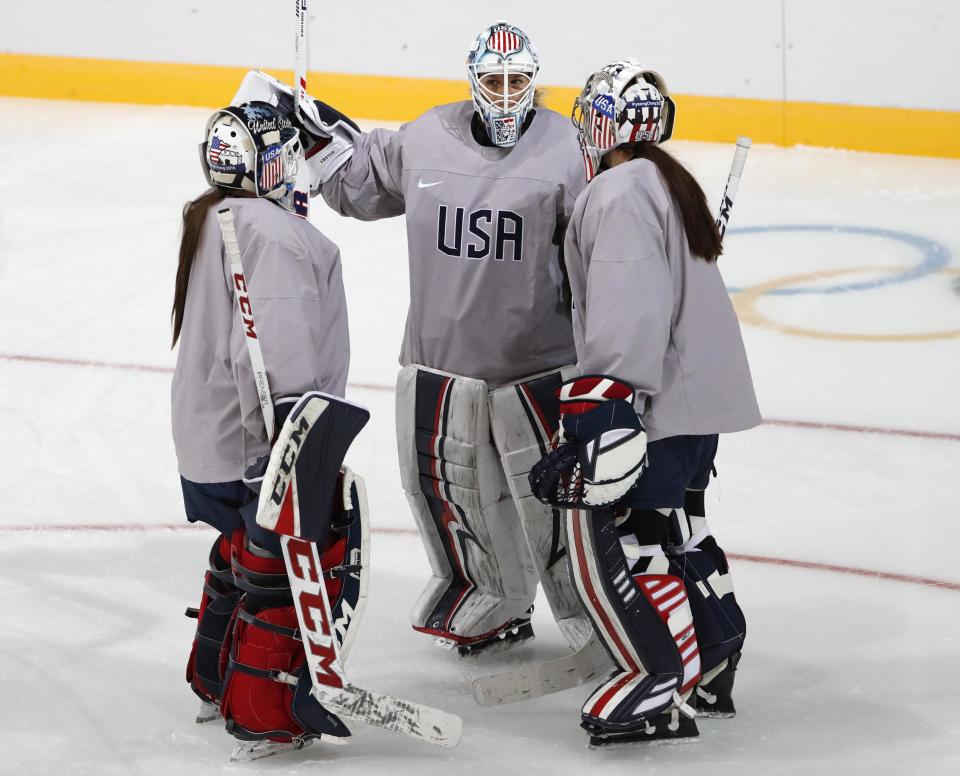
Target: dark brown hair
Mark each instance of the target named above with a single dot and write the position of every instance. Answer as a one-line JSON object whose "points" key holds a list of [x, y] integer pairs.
{"points": [[194, 216], [698, 222]]}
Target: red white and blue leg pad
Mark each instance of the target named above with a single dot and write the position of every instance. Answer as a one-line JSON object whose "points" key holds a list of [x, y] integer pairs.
{"points": [[721, 624], [641, 613]]}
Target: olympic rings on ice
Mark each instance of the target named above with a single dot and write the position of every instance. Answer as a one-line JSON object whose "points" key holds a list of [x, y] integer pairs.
{"points": [[935, 257], [745, 302]]}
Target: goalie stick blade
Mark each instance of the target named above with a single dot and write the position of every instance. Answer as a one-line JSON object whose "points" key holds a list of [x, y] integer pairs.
{"points": [[329, 683], [521, 684], [423, 723]]}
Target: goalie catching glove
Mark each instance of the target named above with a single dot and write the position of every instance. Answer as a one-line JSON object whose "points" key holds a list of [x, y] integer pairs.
{"points": [[326, 134], [601, 450]]}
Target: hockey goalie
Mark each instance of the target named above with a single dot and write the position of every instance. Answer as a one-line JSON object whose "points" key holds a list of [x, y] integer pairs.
{"points": [[260, 430], [663, 373]]}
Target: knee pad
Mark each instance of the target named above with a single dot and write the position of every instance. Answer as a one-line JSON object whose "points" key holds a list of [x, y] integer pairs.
{"points": [[483, 576], [721, 625], [266, 691], [217, 606], [639, 608], [524, 417]]}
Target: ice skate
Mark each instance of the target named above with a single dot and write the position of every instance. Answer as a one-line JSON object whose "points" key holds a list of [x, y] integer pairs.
{"points": [[495, 642], [207, 712], [671, 727], [245, 751], [512, 635], [714, 694]]}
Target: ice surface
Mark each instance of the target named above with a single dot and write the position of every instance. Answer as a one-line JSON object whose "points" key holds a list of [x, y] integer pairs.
{"points": [[842, 672]]}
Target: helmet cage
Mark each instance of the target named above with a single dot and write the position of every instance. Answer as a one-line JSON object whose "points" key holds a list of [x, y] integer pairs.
{"points": [[622, 103], [504, 50]]}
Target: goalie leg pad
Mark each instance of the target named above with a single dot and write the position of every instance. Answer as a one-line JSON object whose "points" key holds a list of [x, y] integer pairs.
{"points": [[484, 581], [524, 418], [217, 606], [721, 624], [673, 486], [640, 611], [266, 691]]}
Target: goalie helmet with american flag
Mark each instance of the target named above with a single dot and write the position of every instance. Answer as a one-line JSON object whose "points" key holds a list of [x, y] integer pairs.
{"points": [[502, 66], [253, 147], [621, 103]]}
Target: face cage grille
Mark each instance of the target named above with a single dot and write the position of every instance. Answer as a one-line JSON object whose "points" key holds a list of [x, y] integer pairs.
{"points": [[521, 102]]}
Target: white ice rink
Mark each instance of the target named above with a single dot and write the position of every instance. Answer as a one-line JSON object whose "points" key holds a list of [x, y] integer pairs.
{"points": [[840, 514]]}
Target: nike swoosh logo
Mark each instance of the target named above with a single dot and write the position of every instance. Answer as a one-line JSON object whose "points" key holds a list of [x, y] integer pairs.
{"points": [[422, 185]]}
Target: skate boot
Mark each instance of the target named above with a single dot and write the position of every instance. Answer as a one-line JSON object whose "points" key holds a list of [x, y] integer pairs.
{"points": [[632, 707], [245, 751], [207, 712], [671, 727], [495, 642], [714, 694]]}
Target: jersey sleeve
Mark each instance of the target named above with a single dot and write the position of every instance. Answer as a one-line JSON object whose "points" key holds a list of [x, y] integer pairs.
{"points": [[300, 322], [629, 299], [368, 186]]}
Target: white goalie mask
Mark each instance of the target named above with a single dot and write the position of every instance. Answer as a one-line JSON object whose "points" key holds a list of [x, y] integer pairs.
{"points": [[502, 66], [621, 103], [253, 147]]}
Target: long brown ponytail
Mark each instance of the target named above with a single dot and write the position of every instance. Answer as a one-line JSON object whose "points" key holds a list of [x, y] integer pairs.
{"points": [[698, 222], [194, 216]]}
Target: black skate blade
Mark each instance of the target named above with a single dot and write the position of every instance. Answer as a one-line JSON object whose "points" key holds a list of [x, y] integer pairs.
{"points": [[657, 732], [715, 698], [713, 714], [713, 706], [506, 639]]}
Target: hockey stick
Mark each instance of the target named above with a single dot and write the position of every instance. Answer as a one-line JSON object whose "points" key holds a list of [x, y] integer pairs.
{"points": [[733, 182], [591, 659], [302, 561], [532, 681], [245, 310], [301, 58], [301, 55]]}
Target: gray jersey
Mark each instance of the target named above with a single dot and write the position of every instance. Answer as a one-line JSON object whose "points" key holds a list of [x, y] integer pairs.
{"points": [[296, 291], [484, 235], [649, 312]]}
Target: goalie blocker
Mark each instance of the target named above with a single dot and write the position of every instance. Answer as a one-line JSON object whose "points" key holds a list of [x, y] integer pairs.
{"points": [[465, 453]]}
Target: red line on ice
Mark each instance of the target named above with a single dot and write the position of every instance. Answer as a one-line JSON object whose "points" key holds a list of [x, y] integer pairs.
{"points": [[889, 576], [817, 566], [815, 425]]}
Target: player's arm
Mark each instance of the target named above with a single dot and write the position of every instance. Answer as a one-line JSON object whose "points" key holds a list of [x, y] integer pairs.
{"points": [[368, 186], [357, 173], [629, 300], [627, 312]]}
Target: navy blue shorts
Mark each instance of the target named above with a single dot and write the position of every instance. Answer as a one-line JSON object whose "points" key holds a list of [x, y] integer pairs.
{"points": [[227, 506], [674, 465]]}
